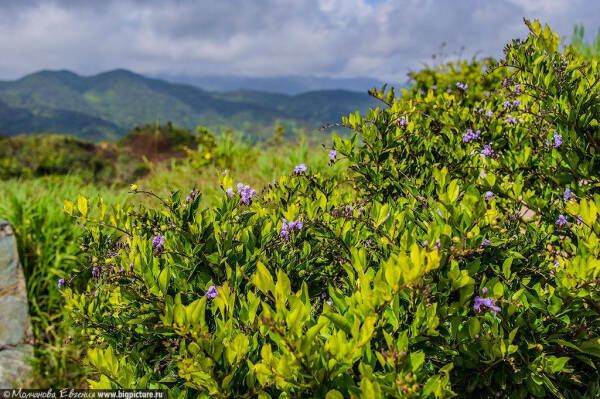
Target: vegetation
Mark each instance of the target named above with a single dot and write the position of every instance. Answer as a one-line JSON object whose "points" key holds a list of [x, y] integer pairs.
{"points": [[455, 253], [108, 105], [448, 246], [47, 238]]}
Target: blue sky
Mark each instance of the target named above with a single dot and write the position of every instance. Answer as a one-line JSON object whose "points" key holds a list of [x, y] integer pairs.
{"points": [[262, 38]]}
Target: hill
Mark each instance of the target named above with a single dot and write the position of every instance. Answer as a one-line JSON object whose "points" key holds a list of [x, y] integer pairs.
{"points": [[290, 85], [107, 105]]}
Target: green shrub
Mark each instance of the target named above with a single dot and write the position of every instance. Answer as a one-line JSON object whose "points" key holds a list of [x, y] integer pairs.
{"points": [[449, 259]]}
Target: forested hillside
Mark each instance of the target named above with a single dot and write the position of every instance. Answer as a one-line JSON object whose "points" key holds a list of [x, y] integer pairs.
{"points": [[107, 105]]}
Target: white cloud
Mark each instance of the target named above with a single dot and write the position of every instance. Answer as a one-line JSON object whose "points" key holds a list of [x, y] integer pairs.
{"points": [[383, 39]]}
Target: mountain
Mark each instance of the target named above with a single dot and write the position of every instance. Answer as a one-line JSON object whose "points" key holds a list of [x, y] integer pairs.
{"points": [[107, 105], [290, 85]]}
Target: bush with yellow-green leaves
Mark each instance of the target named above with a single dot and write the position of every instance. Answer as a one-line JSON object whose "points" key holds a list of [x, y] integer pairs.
{"points": [[459, 255]]}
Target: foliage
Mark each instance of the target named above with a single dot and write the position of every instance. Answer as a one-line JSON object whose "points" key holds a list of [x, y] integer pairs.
{"points": [[588, 50], [48, 250], [457, 254]]}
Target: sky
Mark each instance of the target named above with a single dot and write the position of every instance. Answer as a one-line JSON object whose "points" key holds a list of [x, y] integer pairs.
{"points": [[383, 39]]}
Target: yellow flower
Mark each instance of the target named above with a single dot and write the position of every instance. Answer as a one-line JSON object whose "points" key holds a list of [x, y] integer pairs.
{"points": [[207, 155]]}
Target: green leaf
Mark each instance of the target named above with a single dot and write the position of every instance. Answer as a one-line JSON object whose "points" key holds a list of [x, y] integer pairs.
{"points": [[82, 205]]}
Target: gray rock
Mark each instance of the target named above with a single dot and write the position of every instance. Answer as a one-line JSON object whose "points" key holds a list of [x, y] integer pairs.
{"points": [[15, 370], [9, 257], [14, 320], [15, 326]]}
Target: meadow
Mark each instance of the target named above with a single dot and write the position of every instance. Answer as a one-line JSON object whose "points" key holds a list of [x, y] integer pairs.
{"points": [[447, 245]]}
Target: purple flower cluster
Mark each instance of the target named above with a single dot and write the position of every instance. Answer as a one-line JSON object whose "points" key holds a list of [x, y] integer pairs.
{"points": [[470, 135], [488, 195], [288, 227], [246, 193], [562, 221], [158, 242], [557, 140], [511, 105], [402, 122], [567, 194], [212, 292], [61, 282], [333, 155], [487, 303], [485, 242], [487, 150], [299, 169], [511, 120], [488, 114], [462, 86]]}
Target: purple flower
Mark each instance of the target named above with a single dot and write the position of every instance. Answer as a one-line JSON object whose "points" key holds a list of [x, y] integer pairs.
{"points": [[329, 303], [557, 140], [212, 292], [425, 243], [511, 120], [188, 198], [470, 135], [506, 104], [556, 264], [484, 290], [547, 143], [131, 266], [487, 150], [287, 227], [562, 221], [517, 89], [487, 303], [438, 244], [230, 192], [516, 103], [246, 193], [579, 220], [485, 242], [158, 242], [323, 295], [462, 86], [433, 87], [402, 122], [489, 113], [567, 195], [488, 195], [333, 155], [95, 271], [61, 282], [224, 173], [122, 270], [300, 169]]}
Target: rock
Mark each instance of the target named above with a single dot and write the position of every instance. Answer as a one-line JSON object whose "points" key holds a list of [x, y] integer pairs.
{"points": [[15, 325]]}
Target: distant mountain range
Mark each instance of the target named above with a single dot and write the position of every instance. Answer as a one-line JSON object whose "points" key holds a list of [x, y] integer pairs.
{"points": [[107, 105], [290, 85]]}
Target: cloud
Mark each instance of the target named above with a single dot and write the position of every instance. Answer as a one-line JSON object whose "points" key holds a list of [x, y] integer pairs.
{"points": [[340, 38]]}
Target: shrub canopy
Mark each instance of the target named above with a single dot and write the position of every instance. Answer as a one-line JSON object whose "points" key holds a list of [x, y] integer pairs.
{"points": [[459, 255]]}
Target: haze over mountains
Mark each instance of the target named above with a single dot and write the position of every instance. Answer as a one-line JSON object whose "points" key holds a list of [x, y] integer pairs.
{"points": [[107, 105], [290, 85]]}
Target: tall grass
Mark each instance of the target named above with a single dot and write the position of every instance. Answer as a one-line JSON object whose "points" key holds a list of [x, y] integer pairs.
{"points": [[49, 249]]}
